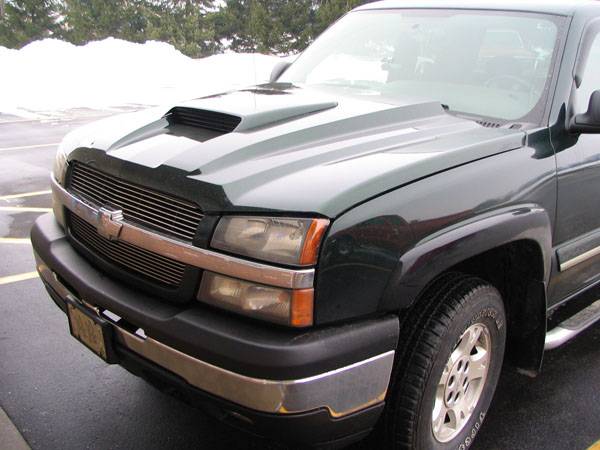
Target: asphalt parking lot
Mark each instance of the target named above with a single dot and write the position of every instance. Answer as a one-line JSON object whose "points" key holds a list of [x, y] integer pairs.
{"points": [[60, 396]]}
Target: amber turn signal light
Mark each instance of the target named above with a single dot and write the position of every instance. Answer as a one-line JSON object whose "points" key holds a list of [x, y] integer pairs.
{"points": [[302, 308], [312, 242]]}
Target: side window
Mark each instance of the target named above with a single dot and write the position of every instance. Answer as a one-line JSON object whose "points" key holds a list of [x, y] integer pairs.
{"points": [[591, 78]]}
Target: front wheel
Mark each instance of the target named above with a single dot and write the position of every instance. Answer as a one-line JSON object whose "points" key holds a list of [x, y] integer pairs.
{"points": [[449, 359]]}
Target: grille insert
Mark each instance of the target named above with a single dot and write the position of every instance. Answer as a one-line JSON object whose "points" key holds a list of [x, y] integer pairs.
{"points": [[147, 207], [200, 118], [150, 265]]}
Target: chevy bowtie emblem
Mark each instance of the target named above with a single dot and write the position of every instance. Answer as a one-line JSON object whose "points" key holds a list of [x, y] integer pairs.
{"points": [[110, 223]]}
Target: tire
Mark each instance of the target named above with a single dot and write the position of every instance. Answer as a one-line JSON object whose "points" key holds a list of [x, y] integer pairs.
{"points": [[455, 309]]}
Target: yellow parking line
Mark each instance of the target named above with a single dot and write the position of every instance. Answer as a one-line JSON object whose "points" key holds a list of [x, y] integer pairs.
{"points": [[23, 209], [595, 446], [25, 147], [19, 277], [14, 241], [26, 194]]}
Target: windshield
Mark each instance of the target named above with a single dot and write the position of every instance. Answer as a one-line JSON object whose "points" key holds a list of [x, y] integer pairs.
{"points": [[482, 63]]}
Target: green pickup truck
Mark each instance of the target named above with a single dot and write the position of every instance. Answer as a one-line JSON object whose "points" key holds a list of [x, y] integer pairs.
{"points": [[360, 244]]}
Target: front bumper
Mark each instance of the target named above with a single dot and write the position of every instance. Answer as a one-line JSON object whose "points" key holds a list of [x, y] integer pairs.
{"points": [[339, 374]]}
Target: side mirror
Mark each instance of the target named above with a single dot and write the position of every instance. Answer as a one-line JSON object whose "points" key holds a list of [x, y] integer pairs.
{"points": [[588, 122], [278, 70]]}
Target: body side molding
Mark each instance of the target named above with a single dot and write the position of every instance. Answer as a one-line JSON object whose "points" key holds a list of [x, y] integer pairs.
{"points": [[579, 250]]}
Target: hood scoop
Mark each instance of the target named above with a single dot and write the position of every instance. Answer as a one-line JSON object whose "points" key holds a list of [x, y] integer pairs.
{"points": [[247, 110], [200, 118]]}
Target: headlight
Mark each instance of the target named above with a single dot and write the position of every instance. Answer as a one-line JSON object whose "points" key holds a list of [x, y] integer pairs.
{"points": [[284, 306], [275, 239], [59, 169], [59, 172]]}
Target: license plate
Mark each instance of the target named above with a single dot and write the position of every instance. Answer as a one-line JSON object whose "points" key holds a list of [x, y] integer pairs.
{"points": [[91, 331]]}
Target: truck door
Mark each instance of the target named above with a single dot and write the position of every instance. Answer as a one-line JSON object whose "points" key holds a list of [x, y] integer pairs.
{"points": [[577, 233]]}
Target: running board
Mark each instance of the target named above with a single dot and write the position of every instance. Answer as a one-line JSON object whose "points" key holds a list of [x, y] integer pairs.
{"points": [[571, 327]]}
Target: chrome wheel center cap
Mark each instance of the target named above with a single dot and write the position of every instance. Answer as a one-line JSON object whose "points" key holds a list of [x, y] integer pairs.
{"points": [[461, 383]]}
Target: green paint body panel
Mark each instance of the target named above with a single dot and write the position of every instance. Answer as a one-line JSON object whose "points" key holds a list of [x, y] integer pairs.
{"points": [[287, 164]]}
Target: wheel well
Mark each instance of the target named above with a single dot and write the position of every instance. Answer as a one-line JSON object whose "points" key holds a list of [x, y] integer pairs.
{"points": [[517, 271]]}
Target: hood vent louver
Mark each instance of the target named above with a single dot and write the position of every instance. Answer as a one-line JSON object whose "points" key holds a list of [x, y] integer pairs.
{"points": [[488, 124], [200, 118]]}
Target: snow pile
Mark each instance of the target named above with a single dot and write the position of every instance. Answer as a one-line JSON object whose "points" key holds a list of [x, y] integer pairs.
{"points": [[52, 75]]}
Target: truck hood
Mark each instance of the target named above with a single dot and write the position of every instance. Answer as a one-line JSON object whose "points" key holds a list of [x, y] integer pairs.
{"points": [[296, 150]]}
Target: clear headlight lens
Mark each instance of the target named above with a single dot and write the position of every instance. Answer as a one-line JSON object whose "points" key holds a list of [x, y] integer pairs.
{"points": [[284, 306], [275, 239], [59, 172], [59, 168]]}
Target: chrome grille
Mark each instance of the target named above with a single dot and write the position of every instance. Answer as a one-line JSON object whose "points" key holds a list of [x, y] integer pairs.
{"points": [[144, 206], [153, 266]]}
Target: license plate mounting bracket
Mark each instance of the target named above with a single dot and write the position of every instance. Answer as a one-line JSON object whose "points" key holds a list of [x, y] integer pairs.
{"points": [[92, 331]]}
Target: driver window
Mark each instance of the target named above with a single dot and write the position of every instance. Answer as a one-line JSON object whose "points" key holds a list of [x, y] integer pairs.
{"points": [[590, 81]]}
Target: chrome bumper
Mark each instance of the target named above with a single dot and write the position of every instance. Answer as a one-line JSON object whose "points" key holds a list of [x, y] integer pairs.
{"points": [[341, 391]]}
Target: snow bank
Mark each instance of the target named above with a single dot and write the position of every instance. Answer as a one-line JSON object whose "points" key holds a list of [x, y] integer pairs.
{"points": [[52, 75]]}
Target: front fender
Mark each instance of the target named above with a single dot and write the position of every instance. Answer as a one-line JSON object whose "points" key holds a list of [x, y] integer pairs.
{"points": [[448, 247], [378, 256]]}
